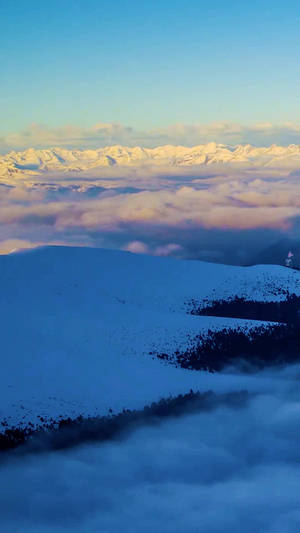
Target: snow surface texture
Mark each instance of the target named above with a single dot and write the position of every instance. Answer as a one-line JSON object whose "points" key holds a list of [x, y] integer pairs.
{"points": [[78, 325], [56, 159]]}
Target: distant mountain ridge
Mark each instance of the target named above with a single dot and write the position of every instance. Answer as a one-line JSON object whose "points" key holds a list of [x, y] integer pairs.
{"points": [[61, 159]]}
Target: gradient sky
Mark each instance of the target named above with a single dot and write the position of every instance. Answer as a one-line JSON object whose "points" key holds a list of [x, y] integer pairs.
{"points": [[150, 63]]}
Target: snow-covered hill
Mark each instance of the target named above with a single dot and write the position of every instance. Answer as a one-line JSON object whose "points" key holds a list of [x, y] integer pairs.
{"points": [[78, 326], [61, 159]]}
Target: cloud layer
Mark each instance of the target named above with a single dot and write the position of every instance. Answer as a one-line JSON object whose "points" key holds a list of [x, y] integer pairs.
{"points": [[103, 134], [216, 214], [235, 468]]}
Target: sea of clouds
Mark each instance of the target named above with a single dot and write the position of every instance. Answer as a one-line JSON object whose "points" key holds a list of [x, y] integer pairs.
{"points": [[233, 469], [224, 213]]}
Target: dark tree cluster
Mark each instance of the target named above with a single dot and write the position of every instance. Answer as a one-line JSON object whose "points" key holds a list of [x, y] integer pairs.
{"points": [[284, 311], [71, 432], [253, 350]]}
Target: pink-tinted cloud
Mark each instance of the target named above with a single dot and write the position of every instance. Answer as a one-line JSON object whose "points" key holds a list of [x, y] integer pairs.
{"points": [[215, 207], [162, 218]]}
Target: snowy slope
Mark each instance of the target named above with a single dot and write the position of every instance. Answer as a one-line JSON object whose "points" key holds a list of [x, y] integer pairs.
{"points": [[78, 325], [60, 159]]}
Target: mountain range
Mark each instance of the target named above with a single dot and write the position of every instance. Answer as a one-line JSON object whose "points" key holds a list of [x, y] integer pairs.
{"points": [[61, 159]]}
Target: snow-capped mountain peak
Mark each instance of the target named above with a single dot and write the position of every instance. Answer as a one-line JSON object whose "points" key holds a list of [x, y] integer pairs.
{"points": [[62, 159]]}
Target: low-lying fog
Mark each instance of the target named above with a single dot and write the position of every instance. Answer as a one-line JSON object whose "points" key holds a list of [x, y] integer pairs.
{"points": [[232, 469]]}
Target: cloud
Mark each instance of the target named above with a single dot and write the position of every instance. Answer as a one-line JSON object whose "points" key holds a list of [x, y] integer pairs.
{"points": [[11, 245], [104, 134], [202, 214], [185, 207], [166, 250], [233, 468], [39, 135]]}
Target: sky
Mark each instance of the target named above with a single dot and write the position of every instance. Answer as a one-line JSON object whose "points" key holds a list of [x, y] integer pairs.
{"points": [[149, 64]]}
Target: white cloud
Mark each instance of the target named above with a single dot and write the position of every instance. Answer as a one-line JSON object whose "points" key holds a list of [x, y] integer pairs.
{"points": [[186, 207], [165, 213], [229, 469], [104, 134]]}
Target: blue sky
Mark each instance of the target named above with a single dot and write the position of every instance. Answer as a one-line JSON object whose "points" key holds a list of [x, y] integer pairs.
{"points": [[148, 64]]}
